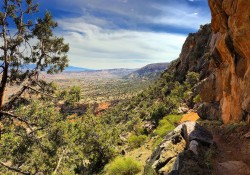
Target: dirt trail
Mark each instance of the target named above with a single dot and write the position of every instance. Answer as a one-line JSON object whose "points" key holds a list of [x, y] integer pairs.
{"points": [[232, 155]]}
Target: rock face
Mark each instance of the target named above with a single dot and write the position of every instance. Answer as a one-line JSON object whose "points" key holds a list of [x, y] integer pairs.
{"points": [[180, 152], [194, 56], [229, 83], [221, 53]]}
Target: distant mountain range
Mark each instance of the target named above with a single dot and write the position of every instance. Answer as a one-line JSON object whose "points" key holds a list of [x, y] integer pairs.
{"points": [[76, 69], [149, 71]]}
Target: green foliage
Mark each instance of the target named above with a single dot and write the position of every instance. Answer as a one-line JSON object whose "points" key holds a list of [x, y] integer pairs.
{"points": [[36, 141], [164, 127], [92, 141], [191, 79], [159, 110], [43, 136], [156, 143], [148, 170], [74, 95], [164, 97], [208, 156], [71, 96], [136, 141], [123, 166], [174, 119], [231, 127], [197, 99], [34, 36]]}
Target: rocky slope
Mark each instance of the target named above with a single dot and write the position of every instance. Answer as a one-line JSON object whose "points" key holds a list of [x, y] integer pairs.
{"points": [[223, 59], [181, 151]]}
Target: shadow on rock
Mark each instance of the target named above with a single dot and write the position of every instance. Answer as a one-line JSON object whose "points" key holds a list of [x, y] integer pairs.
{"points": [[181, 152]]}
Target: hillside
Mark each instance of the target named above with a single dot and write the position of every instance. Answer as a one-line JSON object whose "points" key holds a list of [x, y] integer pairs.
{"points": [[187, 117], [150, 71], [169, 91], [210, 77]]}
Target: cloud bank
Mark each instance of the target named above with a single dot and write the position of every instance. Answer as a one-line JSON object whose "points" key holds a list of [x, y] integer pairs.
{"points": [[126, 33]]}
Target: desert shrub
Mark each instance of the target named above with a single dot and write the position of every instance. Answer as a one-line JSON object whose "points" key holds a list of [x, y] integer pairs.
{"points": [[197, 99], [156, 142], [73, 95], [174, 119], [123, 166], [136, 141], [167, 124], [62, 95], [192, 78], [164, 127], [159, 111], [148, 170]]}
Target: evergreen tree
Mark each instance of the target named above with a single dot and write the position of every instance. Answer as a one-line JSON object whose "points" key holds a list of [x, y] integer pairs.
{"points": [[28, 46]]}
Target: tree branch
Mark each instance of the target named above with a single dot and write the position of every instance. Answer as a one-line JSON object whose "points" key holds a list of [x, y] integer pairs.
{"points": [[15, 97], [21, 91], [40, 92], [16, 117], [18, 170], [59, 161]]}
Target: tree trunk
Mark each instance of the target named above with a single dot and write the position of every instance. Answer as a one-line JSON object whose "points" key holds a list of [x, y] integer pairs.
{"points": [[3, 85]]}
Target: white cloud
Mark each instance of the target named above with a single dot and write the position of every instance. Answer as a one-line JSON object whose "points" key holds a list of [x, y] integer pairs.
{"points": [[182, 16], [178, 13], [96, 47], [123, 33]]}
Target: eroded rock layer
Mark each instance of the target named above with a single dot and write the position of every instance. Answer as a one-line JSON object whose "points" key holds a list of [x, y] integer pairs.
{"points": [[230, 49]]}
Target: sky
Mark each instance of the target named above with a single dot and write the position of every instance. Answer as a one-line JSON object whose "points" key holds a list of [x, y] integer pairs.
{"points": [[105, 34]]}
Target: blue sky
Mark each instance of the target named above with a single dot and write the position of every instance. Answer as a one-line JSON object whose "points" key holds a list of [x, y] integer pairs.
{"points": [[125, 33]]}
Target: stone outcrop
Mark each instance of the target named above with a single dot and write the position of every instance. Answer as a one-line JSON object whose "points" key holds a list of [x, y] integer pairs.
{"points": [[229, 83], [194, 56], [181, 151], [221, 53]]}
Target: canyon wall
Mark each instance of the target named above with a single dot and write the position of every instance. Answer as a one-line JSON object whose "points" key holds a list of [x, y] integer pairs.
{"points": [[230, 52]]}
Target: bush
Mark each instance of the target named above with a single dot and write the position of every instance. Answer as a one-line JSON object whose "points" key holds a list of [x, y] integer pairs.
{"points": [[197, 99], [156, 143], [159, 111], [136, 141], [167, 124], [148, 170], [164, 127], [123, 166], [192, 78], [73, 95], [175, 119]]}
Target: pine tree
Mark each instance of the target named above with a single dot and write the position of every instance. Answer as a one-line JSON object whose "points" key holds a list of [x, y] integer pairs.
{"points": [[28, 46]]}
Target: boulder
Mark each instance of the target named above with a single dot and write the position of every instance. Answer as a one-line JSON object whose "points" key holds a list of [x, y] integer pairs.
{"points": [[169, 148], [193, 146], [194, 131], [209, 111], [171, 155], [187, 163]]}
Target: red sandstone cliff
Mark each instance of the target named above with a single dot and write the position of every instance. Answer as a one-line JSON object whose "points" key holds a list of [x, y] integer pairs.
{"points": [[230, 50]]}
